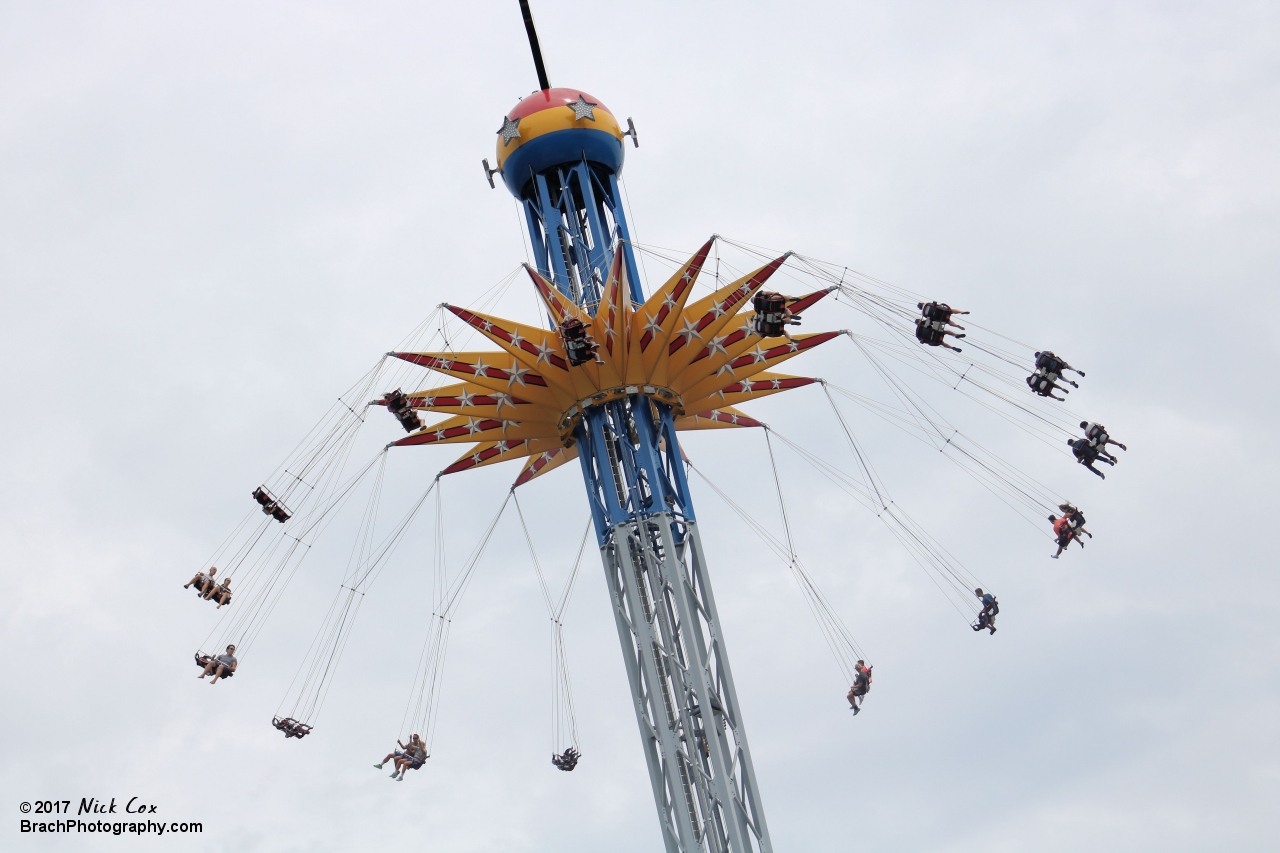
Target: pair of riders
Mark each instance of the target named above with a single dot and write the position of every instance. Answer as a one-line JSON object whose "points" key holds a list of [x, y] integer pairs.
{"points": [[1093, 447], [861, 684], [1068, 527], [772, 315], [566, 760], [270, 505], [398, 404], [1049, 370], [931, 326], [409, 757], [208, 588], [987, 616], [222, 666]]}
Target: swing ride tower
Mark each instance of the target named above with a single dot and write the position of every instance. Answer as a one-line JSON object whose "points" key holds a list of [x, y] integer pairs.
{"points": [[560, 152]]}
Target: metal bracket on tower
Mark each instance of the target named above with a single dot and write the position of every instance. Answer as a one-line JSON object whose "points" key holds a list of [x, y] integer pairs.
{"points": [[489, 173], [631, 131]]}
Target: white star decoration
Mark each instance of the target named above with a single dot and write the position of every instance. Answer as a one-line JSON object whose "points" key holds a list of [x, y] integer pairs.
{"points": [[480, 367], [717, 346], [516, 340], [544, 352], [582, 108], [689, 330], [510, 130], [758, 355], [465, 398], [653, 326], [515, 376]]}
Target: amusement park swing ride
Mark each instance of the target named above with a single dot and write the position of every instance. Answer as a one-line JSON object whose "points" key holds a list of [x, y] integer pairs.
{"points": [[609, 382]]}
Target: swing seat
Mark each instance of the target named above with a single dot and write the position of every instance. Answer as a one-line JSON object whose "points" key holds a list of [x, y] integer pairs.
{"points": [[202, 660], [291, 727]]}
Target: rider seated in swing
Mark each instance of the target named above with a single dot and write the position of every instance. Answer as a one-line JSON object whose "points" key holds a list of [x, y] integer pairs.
{"points": [[222, 666], [1086, 454], [291, 727], [202, 582], [772, 315], [1098, 436], [990, 607], [409, 757], [1048, 363], [1068, 527], [579, 346], [398, 404], [933, 333], [566, 760], [861, 684], [940, 312], [220, 593], [1044, 385]]}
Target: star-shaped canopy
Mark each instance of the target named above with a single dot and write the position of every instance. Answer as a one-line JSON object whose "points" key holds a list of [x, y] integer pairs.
{"points": [[524, 401]]}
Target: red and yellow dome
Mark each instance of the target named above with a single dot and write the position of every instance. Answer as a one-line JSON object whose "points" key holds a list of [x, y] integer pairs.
{"points": [[553, 126]]}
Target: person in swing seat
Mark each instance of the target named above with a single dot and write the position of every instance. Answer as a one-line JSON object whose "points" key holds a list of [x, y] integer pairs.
{"points": [[990, 607], [220, 593], [410, 757], [861, 684], [1065, 530], [223, 666], [202, 582]]}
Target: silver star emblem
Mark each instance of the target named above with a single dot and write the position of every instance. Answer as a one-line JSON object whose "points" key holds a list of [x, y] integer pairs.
{"points": [[717, 346], [719, 394], [465, 399], [582, 108], [503, 400], [670, 302], [516, 340], [687, 277], [480, 367], [486, 325], [515, 376], [726, 368], [733, 419], [653, 326], [777, 384], [689, 331], [793, 347], [473, 426], [475, 459], [758, 355], [717, 310], [748, 387], [440, 435], [543, 352], [510, 130]]}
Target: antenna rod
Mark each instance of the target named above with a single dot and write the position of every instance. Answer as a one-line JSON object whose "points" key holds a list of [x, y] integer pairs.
{"points": [[533, 45]]}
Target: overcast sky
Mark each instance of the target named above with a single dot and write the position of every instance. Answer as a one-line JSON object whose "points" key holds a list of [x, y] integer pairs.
{"points": [[214, 217]]}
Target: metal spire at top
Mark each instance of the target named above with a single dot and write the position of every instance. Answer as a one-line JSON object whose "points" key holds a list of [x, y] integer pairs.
{"points": [[543, 83]]}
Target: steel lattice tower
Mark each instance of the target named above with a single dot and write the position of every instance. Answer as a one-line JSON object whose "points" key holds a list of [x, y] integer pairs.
{"points": [[686, 706]]}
